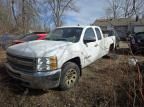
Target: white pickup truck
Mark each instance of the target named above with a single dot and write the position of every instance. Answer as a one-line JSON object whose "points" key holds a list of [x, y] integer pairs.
{"points": [[58, 60]]}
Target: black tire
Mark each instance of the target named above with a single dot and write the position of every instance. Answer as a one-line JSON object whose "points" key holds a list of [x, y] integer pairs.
{"points": [[69, 76]]}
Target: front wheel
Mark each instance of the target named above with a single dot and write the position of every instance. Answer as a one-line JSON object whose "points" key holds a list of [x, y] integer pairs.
{"points": [[69, 76]]}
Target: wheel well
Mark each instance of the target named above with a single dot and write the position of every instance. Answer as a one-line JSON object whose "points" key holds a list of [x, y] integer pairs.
{"points": [[77, 61]]}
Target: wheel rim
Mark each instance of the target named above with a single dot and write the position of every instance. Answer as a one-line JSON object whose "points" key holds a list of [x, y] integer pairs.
{"points": [[70, 77]]}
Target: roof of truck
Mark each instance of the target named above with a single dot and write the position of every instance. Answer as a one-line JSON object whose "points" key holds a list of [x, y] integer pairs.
{"points": [[76, 26]]}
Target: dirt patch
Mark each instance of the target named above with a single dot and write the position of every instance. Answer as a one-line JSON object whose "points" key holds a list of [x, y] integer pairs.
{"points": [[97, 87]]}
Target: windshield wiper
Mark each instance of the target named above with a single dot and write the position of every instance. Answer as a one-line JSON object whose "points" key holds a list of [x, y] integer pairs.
{"points": [[61, 39], [57, 39], [48, 39]]}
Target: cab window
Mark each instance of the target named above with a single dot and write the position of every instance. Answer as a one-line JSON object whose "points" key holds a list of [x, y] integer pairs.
{"points": [[89, 35], [99, 36]]}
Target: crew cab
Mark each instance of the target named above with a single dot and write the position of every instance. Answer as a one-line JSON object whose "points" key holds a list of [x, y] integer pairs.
{"points": [[58, 60]]}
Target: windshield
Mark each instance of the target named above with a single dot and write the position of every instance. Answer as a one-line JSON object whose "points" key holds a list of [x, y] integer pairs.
{"points": [[30, 38], [140, 36], [65, 34]]}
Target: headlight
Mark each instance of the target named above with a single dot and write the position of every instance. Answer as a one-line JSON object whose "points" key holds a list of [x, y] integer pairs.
{"points": [[46, 63]]}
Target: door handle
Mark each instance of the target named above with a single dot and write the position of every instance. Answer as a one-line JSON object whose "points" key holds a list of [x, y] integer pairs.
{"points": [[95, 45]]}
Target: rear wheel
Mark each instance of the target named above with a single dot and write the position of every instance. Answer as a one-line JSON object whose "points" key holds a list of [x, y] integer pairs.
{"points": [[69, 76], [112, 52]]}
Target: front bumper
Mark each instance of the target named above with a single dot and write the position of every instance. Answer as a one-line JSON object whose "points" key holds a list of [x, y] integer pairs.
{"points": [[37, 80]]}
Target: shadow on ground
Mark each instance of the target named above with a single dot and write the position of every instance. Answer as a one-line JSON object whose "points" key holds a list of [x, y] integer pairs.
{"points": [[14, 85], [123, 51]]}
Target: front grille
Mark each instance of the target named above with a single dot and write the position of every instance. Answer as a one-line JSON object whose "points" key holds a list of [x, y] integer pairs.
{"points": [[21, 63]]}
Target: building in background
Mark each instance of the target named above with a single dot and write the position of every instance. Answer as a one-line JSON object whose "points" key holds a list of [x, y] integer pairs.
{"points": [[121, 25]]}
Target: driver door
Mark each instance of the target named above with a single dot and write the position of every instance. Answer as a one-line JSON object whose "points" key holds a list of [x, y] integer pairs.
{"points": [[91, 47]]}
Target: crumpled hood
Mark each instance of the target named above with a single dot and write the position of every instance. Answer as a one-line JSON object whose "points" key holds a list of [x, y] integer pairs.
{"points": [[37, 48]]}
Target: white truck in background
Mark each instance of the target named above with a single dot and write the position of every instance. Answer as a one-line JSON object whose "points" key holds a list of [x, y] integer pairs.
{"points": [[58, 60]]}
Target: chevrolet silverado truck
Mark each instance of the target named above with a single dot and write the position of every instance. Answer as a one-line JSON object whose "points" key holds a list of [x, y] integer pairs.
{"points": [[58, 60]]}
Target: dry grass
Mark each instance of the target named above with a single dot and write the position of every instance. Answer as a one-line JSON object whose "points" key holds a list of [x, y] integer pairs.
{"points": [[104, 83]]}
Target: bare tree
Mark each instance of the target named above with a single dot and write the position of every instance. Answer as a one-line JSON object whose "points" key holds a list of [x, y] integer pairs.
{"points": [[132, 7], [26, 13], [124, 8], [138, 6], [127, 8], [5, 16], [23, 15], [13, 10], [58, 8], [114, 8]]}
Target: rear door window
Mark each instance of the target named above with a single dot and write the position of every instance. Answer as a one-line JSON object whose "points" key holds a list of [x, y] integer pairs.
{"points": [[99, 36]]}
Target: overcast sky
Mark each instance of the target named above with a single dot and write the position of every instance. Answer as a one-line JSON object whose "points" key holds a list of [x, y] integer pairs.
{"points": [[89, 11]]}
